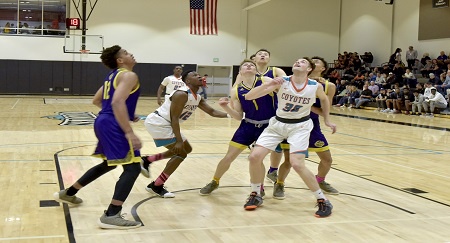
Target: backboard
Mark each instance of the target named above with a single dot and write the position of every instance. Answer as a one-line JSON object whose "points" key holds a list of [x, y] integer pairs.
{"points": [[74, 43]]}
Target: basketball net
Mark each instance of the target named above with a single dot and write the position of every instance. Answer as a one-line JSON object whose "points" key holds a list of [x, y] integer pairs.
{"points": [[84, 53]]}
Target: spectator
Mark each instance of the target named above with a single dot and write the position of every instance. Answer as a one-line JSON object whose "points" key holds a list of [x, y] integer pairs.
{"points": [[417, 67], [417, 103], [390, 81], [442, 56], [367, 59], [445, 85], [343, 94], [436, 100], [419, 88], [334, 76], [7, 28], [398, 72], [381, 100], [374, 88], [396, 57], [394, 100], [390, 96], [411, 56], [427, 68], [406, 100], [425, 57], [204, 86], [433, 79], [409, 78], [366, 96]]}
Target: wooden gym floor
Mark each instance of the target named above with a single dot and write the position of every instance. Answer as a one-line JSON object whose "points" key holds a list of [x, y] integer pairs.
{"points": [[392, 172]]}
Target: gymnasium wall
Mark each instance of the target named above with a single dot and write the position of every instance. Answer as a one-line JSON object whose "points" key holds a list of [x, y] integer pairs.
{"points": [[157, 32]]}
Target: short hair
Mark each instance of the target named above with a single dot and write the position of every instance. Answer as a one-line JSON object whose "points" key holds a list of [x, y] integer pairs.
{"points": [[311, 64], [245, 61], [252, 56], [185, 74], [109, 56], [325, 64], [262, 49]]}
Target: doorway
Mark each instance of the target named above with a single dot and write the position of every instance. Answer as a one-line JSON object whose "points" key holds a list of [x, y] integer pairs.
{"points": [[219, 79]]}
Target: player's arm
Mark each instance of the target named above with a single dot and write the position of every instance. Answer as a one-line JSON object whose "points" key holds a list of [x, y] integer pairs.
{"points": [[325, 107], [279, 72], [232, 107], [98, 97], [161, 89], [127, 81], [330, 95], [211, 111], [268, 86], [179, 99]]}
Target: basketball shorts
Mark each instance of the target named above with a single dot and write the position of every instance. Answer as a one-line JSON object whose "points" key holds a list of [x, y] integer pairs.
{"points": [[297, 135], [160, 130], [112, 144], [247, 133]]}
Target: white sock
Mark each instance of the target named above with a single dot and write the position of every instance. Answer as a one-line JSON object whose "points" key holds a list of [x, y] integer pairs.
{"points": [[319, 194], [256, 188]]}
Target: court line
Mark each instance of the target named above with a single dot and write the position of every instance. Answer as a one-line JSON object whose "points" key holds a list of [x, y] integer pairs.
{"points": [[15, 104], [319, 222], [391, 163], [33, 237]]}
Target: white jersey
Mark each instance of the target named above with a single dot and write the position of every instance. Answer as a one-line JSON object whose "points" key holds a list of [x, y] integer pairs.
{"points": [[189, 108], [295, 102], [172, 83]]}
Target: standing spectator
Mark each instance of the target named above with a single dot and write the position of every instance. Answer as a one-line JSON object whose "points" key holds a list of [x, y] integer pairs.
{"points": [[411, 56], [396, 57], [398, 72], [204, 87]]}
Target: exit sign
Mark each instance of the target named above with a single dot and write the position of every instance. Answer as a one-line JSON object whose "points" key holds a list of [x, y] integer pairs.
{"points": [[216, 59]]}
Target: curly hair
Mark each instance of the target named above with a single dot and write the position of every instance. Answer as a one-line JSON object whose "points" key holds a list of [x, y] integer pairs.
{"points": [[109, 56]]}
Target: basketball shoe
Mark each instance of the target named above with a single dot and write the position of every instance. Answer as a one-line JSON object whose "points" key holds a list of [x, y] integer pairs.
{"points": [[327, 188], [210, 187], [278, 191], [145, 167], [62, 197], [160, 191], [253, 201], [325, 208], [116, 222]]}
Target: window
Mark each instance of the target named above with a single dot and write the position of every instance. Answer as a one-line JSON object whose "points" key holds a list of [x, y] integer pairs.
{"points": [[33, 17]]}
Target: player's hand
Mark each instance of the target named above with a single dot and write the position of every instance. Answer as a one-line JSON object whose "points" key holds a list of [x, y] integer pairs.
{"points": [[332, 126], [178, 148], [135, 141], [277, 81], [224, 101]]}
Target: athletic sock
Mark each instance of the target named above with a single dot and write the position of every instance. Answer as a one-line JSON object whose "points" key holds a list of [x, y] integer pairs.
{"points": [[216, 179], [319, 194], [256, 188], [162, 178], [113, 210], [271, 169], [280, 182], [319, 179], [71, 191]]}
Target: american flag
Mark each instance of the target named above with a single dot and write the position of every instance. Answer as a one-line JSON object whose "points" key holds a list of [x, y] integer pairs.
{"points": [[203, 17]]}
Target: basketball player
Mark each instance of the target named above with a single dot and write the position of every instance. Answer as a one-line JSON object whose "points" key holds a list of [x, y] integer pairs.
{"points": [[170, 83], [296, 94], [257, 115], [117, 143], [164, 126], [317, 141], [262, 59]]}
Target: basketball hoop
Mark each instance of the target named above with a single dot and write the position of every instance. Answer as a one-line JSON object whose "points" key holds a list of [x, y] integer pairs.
{"points": [[84, 53]]}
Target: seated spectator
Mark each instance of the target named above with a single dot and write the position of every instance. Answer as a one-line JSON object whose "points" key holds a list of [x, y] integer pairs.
{"points": [[436, 100], [445, 83], [417, 67], [390, 81], [417, 103], [442, 56], [374, 88], [392, 101], [334, 76], [425, 57], [427, 68], [405, 102], [342, 94], [365, 96], [433, 79], [372, 77], [7, 28], [386, 70], [350, 97], [419, 88], [381, 79], [349, 74], [391, 95], [409, 78], [381, 100]]}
